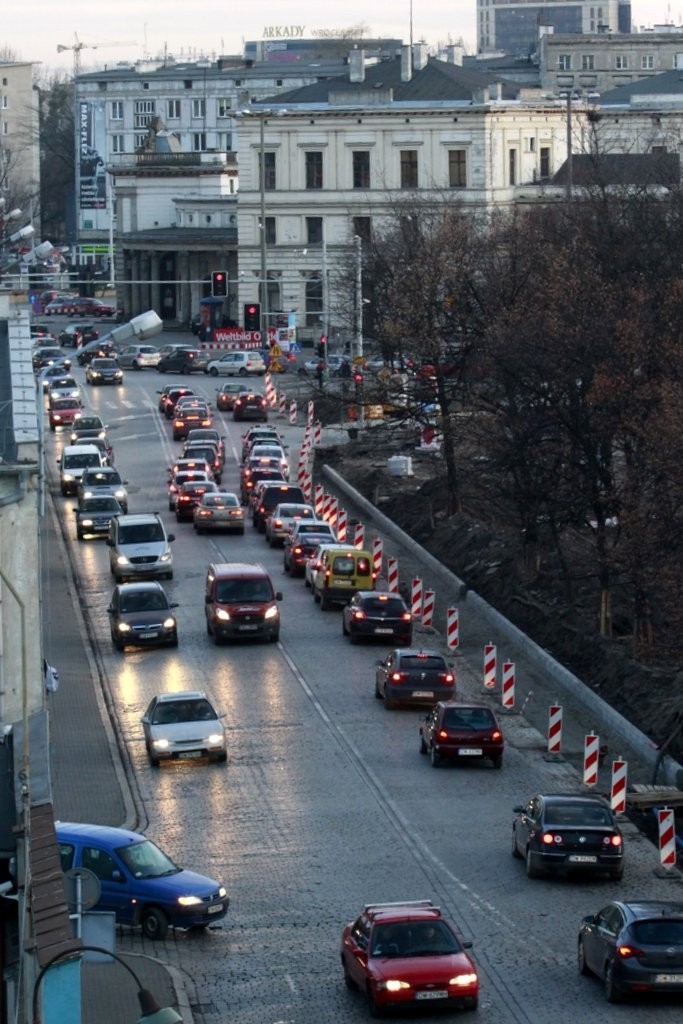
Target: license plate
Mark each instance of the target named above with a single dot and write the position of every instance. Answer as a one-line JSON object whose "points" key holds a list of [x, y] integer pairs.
{"points": [[669, 979], [582, 858], [245, 628], [381, 629], [343, 583], [423, 693], [436, 994], [214, 910], [190, 753], [148, 636], [470, 752]]}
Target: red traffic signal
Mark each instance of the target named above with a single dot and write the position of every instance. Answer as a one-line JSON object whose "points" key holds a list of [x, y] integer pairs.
{"points": [[219, 283], [252, 316]]}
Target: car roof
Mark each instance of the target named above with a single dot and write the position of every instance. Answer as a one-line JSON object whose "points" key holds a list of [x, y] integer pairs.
{"points": [[238, 569], [410, 910], [139, 517], [80, 449], [102, 833], [572, 798], [140, 586], [649, 909], [165, 698], [415, 652]]}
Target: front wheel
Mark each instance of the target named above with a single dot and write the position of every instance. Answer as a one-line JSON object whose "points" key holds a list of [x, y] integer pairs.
{"points": [[213, 371], [154, 923]]}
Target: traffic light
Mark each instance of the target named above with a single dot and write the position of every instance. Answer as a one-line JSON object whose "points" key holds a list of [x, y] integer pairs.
{"points": [[252, 316], [219, 283]]}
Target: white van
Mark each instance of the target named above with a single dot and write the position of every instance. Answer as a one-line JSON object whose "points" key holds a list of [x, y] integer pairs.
{"points": [[73, 462], [139, 546]]}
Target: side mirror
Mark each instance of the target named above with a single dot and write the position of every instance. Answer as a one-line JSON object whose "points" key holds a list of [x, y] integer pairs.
{"points": [[207, 598], [278, 595], [110, 610], [170, 538], [466, 943], [174, 604], [588, 920], [125, 482], [518, 810]]}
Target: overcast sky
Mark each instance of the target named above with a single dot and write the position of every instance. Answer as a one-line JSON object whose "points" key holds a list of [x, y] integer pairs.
{"points": [[33, 29]]}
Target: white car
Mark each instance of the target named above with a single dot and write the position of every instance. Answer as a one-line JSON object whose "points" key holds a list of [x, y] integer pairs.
{"points": [[183, 725], [238, 363], [271, 451], [284, 516]]}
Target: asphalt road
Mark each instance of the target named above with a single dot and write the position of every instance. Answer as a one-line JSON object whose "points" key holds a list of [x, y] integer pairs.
{"points": [[325, 803]]}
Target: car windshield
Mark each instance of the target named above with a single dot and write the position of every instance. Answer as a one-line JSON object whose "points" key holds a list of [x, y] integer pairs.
{"points": [[467, 718], [66, 403], [102, 479], [237, 591], [577, 814], [88, 423], [172, 712], [141, 533], [414, 938], [387, 606], [422, 662], [105, 364], [221, 501], [658, 933], [143, 601], [314, 528], [145, 860], [81, 461]]}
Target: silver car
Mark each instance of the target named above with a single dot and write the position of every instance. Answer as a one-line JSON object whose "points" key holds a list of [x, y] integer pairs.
{"points": [[181, 726], [103, 480], [138, 357]]}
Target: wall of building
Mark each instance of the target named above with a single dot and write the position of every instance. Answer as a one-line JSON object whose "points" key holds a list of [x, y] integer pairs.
{"points": [[595, 63]]}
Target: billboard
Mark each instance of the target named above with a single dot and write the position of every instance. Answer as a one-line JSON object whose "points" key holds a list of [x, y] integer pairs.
{"points": [[92, 176]]}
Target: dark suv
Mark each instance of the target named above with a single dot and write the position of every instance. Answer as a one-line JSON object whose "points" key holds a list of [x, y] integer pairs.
{"points": [[272, 496], [182, 359]]}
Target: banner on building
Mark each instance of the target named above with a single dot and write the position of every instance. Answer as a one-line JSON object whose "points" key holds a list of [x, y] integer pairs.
{"points": [[92, 176]]}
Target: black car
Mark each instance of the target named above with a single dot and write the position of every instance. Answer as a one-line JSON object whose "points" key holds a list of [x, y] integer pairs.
{"points": [[76, 335], [210, 454], [634, 947], [297, 551], [99, 348], [141, 614], [462, 732], [249, 478], [568, 832], [250, 405], [182, 359], [104, 371], [94, 515], [189, 497], [87, 426], [377, 615], [272, 496], [49, 355], [411, 675], [170, 397]]}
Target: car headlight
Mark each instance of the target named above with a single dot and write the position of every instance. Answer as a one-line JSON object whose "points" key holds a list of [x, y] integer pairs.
{"points": [[169, 623], [393, 985], [123, 627], [86, 522], [189, 901], [120, 494], [222, 615], [463, 980], [68, 478], [214, 738], [272, 612], [166, 557], [87, 494], [121, 560], [161, 744]]}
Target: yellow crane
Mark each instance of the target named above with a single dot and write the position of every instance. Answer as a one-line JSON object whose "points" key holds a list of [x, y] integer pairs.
{"points": [[77, 46]]}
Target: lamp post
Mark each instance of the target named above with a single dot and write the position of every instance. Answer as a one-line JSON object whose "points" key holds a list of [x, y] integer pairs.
{"points": [[262, 195], [359, 322], [152, 1013]]}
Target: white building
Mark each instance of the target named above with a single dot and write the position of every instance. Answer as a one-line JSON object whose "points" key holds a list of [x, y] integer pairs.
{"points": [[19, 140]]}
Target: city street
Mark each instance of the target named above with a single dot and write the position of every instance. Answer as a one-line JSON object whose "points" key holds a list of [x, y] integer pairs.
{"points": [[325, 803]]}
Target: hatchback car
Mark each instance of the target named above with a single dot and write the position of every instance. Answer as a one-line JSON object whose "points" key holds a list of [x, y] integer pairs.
{"points": [[190, 416], [64, 412], [168, 397], [62, 387], [139, 357], [227, 393], [49, 374], [181, 726], [283, 517], [104, 371], [102, 480], [259, 434], [138, 881], [237, 364], [250, 405], [269, 496], [181, 359], [376, 615], [88, 426], [567, 832], [48, 355], [461, 732], [189, 496], [270, 451], [183, 477], [200, 434], [209, 454], [634, 948], [407, 955], [140, 615], [93, 516], [101, 348], [251, 478], [411, 675], [219, 510], [76, 335], [300, 545]]}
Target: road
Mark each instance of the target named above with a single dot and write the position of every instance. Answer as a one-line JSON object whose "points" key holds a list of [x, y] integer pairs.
{"points": [[325, 803]]}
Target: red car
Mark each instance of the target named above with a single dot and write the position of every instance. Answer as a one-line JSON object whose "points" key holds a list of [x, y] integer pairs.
{"points": [[64, 412], [407, 954]]}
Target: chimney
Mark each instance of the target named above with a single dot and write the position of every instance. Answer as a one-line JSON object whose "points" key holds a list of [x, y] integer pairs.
{"points": [[406, 64], [454, 55], [420, 56], [357, 66]]}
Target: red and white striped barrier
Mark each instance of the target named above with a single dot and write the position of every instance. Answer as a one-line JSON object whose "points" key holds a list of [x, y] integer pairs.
{"points": [[317, 435], [327, 504], [618, 789], [508, 684], [342, 520], [301, 473], [591, 759], [667, 837], [489, 666], [271, 393], [318, 500], [359, 536], [292, 412], [377, 557], [282, 410], [416, 598], [334, 511], [392, 575], [307, 487], [310, 412], [452, 629], [428, 608], [555, 729]]}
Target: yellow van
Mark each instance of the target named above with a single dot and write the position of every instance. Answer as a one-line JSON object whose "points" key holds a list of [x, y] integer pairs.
{"points": [[342, 571]]}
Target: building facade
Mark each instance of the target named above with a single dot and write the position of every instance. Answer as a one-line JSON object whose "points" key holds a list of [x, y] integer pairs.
{"points": [[515, 27], [595, 63], [19, 141]]}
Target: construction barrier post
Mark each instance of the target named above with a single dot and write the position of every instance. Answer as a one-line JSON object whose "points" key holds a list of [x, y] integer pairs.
{"points": [[618, 790], [334, 511], [317, 435], [555, 729], [591, 754], [282, 410], [508, 684], [428, 608], [342, 520], [292, 412], [359, 536], [318, 500], [452, 629], [392, 575], [667, 837], [416, 598], [377, 557], [327, 504], [490, 667], [310, 413]]}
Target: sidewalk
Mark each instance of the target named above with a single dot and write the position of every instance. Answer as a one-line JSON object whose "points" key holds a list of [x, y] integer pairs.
{"points": [[90, 782]]}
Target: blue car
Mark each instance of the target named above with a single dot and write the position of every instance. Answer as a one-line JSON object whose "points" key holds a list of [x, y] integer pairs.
{"points": [[139, 882]]}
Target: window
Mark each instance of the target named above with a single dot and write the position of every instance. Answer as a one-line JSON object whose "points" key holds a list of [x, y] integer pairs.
{"points": [[117, 143], [144, 113], [117, 110], [5, 128], [199, 142], [544, 165], [140, 138], [564, 62], [314, 230], [621, 62], [173, 109], [647, 61], [223, 142], [5, 102], [512, 167], [223, 106], [588, 62], [199, 108], [457, 168], [314, 301], [361, 169], [100, 863], [314, 169], [408, 168], [362, 226], [269, 178], [271, 238]]}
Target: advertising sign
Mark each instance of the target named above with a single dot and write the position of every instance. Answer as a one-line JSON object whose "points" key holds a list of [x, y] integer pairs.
{"points": [[92, 177]]}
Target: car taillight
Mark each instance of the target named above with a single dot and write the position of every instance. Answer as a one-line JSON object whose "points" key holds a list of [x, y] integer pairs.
{"points": [[551, 837], [406, 617], [496, 734], [446, 678], [235, 511], [628, 951], [398, 677], [178, 423], [205, 513], [277, 522], [298, 551], [611, 841], [442, 734]]}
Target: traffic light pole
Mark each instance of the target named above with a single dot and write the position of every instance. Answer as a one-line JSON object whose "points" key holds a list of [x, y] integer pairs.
{"points": [[262, 186], [359, 322]]}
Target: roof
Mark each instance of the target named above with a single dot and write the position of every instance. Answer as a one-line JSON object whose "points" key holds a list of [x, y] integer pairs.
{"points": [[181, 694], [103, 833], [621, 169], [666, 84], [411, 910], [574, 798]]}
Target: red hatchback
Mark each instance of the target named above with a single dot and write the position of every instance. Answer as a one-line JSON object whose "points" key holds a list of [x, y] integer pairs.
{"points": [[462, 732], [408, 955], [64, 412]]}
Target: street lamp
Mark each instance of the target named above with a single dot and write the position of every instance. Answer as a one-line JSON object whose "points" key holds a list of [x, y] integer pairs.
{"points": [[152, 1013]]}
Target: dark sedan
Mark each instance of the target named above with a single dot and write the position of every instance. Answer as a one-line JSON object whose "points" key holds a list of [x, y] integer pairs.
{"points": [[94, 515], [374, 615], [189, 497], [141, 614], [227, 393], [567, 832], [49, 355], [634, 948], [413, 676], [298, 549], [462, 732], [250, 405], [97, 349], [104, 371], [76, 335]]}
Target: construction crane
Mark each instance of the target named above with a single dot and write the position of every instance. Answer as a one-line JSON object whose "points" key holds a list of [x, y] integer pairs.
{"points": [[77, 46]]}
